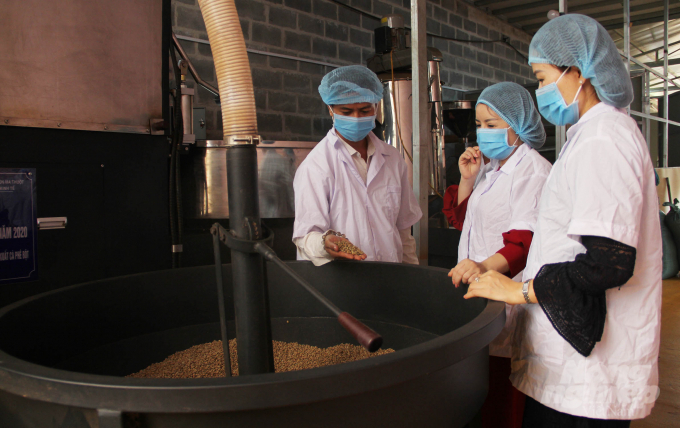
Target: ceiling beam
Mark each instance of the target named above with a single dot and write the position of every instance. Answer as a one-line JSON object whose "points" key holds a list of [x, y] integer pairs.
{"points": [[673, 61], [633, 9], [636, 31], [572, 9], [525, 7], [654, 50], [553, 4], [482, 3], [647, 18]]}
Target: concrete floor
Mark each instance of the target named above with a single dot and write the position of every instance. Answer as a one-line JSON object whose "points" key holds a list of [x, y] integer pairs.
{"points": [[666, 412]]}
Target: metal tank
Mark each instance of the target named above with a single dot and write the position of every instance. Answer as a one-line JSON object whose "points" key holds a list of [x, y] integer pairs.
{"points": [[206, 181], [392, 64], [63, 354], [396, 116], [396, 121]]}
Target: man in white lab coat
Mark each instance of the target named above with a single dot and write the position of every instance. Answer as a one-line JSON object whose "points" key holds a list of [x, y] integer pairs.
{"points": [[354, 186]]}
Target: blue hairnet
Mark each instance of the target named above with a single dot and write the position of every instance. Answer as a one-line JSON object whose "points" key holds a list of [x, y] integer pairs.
{"points": [[514, 105], [581, 41], [349, 85]]}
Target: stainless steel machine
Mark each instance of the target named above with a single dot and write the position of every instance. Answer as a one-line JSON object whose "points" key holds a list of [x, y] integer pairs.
{"points": [[392, 64], [449, 124], [207, 182]]}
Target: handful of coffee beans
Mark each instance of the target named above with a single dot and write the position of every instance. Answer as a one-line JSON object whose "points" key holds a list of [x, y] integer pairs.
{"points": [[349, 248]]}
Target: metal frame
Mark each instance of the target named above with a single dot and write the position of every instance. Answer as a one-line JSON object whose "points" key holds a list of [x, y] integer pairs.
{"points": [[647, 90], [192, 69], [275, 55], [560, 131], [258, 52], [560, 134]]}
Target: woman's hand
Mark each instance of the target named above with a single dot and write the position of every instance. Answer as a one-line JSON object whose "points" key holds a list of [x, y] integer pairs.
{"points": [[496, 286], [466, 271], [469, 163], [331, 247]]}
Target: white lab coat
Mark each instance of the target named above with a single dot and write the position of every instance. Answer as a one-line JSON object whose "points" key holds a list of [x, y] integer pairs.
{"points": [[502, 200], [601, 185], [331, 194]]}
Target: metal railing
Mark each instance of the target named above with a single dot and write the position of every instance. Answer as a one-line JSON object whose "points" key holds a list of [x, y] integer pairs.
{"points": [[647, 90], [645, 115]]}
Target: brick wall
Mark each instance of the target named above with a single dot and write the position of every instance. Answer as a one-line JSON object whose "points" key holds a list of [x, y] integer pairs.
{"points": [[288, 104]]}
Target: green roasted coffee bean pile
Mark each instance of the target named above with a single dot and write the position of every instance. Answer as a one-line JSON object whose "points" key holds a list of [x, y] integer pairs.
{"points": [[206, 360], [349, 248]]}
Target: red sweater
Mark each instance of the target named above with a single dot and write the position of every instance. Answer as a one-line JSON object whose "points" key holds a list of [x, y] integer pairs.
{"points": [[517, 242]]}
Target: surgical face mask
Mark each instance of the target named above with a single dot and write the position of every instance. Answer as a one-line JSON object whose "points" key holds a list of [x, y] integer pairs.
{"points": [[494, 143], [552, 106], [353, 128]]}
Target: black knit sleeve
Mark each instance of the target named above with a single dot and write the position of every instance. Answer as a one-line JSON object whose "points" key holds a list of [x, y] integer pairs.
{"points": [[572, 294]]}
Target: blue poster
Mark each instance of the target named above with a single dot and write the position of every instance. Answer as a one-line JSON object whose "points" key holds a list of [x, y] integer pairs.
{"points": [[18, 240]]}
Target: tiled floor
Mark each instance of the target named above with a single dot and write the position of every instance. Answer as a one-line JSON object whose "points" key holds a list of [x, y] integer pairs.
{"points": [[666, 412]]}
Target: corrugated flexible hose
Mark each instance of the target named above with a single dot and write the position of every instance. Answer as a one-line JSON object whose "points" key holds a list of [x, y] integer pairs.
{"points": [[232, 67]]}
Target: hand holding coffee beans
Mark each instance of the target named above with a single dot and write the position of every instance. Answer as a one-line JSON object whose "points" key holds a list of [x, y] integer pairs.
{"points": [[340, 248]]}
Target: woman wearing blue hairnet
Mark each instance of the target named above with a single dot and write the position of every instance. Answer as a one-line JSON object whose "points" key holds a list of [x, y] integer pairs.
{"points": [[495, 207], [586, 354]]}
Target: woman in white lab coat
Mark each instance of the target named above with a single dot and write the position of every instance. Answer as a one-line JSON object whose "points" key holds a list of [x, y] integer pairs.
{"points": [[497, 213], [586, 354]]}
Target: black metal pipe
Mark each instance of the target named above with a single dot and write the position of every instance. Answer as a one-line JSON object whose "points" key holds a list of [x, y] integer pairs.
{"points": [[179, 138], [366, 337], [222, 304], [268, 310], [173, 158], [270, 255], [253, 325]]}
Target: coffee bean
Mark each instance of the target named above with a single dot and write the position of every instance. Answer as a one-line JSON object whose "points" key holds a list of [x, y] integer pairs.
{"points": [[207, 360], [349, 248]]}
